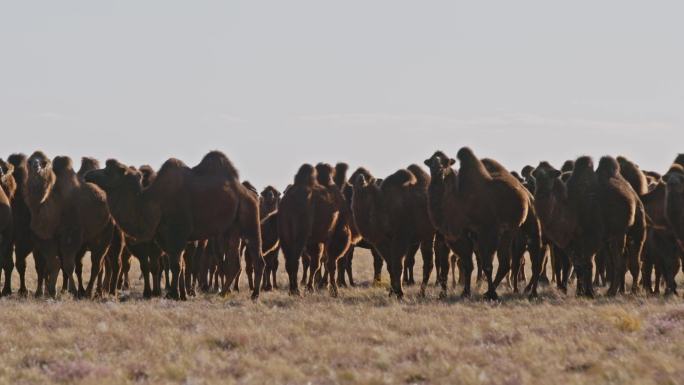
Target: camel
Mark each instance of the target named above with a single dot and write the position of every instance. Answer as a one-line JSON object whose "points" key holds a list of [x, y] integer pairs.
{"points": [[494, 207], [268, 201], [313, 219], [582, 188], [8, 188], [624, 221], [558, 219], [22, 239], [66, 216], [393, 217], [183, 204], [674, 200]]}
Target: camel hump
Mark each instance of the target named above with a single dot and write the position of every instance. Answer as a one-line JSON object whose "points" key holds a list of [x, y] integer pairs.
{"points": [[401, 178], [216, 163], [493, 167], [88, 164], [608, 167], [324, 174], [471, 166], [306, 176], [249, 186], [17, 160], [422, 177], [679, 160], [340, 177]]}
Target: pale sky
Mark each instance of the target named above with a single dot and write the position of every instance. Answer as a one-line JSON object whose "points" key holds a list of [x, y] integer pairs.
{"points": [[381, 84]]}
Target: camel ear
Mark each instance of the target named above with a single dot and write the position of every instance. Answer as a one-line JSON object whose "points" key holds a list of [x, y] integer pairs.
{"points": [[452, 161], [555, 173], [427, 162]]}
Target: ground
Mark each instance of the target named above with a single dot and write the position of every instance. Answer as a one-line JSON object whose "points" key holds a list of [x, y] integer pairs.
{"points": [[362, 337]]}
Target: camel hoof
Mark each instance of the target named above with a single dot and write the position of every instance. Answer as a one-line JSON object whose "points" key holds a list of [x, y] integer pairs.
{"points": [[544, 280], [422, 291], [352, 283], [465, 294], [533, 296], [295, 293], [6, 291], [443, 294], [254, 296], [22, 292], [491, 296]]}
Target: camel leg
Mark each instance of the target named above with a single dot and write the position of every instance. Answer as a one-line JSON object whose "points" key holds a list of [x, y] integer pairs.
{"points": [[615, 250], [397, 256], [231, 263], [249, 269], [487, 246], [154, 258], [7, 263], [292, 253], [21, 268], [409, 263], [377, 266], [274, 269], [427, 251], [315, 251], [52, 267], [144, 261], [342, 268], [79, 273], [441, 253], [504, 256]]}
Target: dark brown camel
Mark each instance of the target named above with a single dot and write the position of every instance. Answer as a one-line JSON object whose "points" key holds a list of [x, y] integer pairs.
{"points": [[558, 219], [674, 201], [22, 239], [181, 205], [582, 187], [313, 218], [624, 221], [66, 216], [393, 217], [661, 250], [493, 207], [8, 188]]}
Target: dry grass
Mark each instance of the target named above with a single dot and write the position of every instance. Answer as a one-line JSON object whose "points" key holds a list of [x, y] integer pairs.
{"points": [[363, 337]]}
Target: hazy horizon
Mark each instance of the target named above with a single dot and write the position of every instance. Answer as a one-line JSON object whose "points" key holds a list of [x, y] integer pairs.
{"points": [[381, 84]]}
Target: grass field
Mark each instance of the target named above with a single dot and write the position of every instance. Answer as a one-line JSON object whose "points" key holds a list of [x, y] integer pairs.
{"points": [[362, 337]]}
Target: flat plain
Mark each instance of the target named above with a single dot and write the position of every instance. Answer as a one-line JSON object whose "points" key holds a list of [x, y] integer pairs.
{"points": [[362, 337]]}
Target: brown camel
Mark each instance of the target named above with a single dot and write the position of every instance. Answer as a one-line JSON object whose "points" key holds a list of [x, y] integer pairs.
{"points": [[558, 219], [313, 219], [268, 204], [183, 204], [493, 207], [394, 218], [8, 188], [66, 216], [22, 239], [674, 201], [661, 250], [624, 221], [582, 187]]}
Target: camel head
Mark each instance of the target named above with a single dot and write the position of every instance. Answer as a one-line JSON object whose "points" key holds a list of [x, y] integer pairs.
{"points": [[62, 165], [340, 177], [41, 177], [545, 176], [6, 170], [439, 164], [674, 178], [270, 196], [148, 175], [114, 176]]}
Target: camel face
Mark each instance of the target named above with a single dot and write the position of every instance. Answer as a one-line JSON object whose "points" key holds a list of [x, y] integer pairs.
{"points": [[545, 179], [270, 197], [675, 183], [6, 170], [439, 164]]}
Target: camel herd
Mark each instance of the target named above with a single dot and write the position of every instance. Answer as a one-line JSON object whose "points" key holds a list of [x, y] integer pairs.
{"points": [[190, 227]]}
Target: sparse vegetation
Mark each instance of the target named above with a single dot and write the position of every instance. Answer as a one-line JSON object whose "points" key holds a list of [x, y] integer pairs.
{"points": [[362, 337]]}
